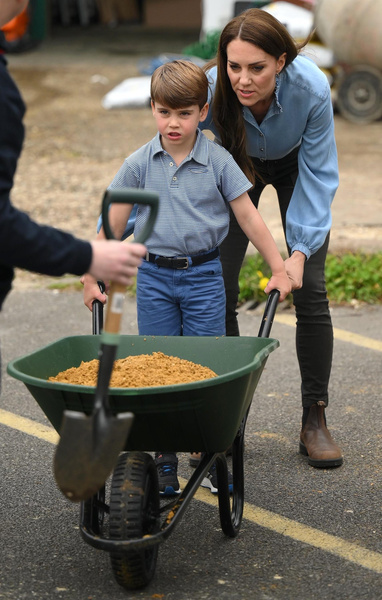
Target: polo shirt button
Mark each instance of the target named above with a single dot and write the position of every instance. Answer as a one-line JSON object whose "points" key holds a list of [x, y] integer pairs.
{"points": [[174, 178], [171, 164]]}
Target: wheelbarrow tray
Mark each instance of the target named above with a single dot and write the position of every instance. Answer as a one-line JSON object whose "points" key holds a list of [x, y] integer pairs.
{"points": [[199, 416]]}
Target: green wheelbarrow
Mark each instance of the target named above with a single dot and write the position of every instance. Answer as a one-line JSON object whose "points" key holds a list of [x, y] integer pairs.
{"points": [[125, 517]]}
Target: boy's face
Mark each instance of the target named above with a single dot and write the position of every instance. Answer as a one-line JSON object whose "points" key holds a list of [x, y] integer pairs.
{"points": [[177, 126]]}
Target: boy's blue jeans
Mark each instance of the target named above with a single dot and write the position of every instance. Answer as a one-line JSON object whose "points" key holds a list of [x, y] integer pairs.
{"points": [[181, 302]]}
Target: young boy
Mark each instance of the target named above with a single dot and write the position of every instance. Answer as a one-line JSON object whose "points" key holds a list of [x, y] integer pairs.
{"points": [[180, 289]]}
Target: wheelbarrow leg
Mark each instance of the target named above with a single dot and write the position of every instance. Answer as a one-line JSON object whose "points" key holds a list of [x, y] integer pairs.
{"points": [[93, 511]]}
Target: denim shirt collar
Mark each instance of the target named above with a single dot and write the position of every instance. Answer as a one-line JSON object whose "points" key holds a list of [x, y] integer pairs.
{"points": [[279, 78], [274, 109]]}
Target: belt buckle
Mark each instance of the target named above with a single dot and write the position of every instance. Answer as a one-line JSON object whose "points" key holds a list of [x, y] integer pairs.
{"points": [[187, 264]]}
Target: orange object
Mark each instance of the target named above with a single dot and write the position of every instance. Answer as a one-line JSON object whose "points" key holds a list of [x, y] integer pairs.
{"points": [[17, 28]]}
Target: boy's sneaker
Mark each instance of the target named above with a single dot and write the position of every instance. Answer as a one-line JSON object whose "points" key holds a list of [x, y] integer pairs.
{"points": [[167, 467], [211, 480]]}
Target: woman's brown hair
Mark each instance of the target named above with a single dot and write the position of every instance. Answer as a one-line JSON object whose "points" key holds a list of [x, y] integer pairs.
{"points": [[261, 29]]}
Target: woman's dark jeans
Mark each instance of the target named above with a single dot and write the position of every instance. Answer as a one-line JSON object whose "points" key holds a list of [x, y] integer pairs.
{"points": [[314, 333]]}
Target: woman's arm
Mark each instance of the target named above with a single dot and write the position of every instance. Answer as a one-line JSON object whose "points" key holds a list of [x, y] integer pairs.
{"points": [[308, 218]]}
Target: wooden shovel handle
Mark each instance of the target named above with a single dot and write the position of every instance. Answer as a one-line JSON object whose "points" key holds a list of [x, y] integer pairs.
{"points": [[114, 309]]}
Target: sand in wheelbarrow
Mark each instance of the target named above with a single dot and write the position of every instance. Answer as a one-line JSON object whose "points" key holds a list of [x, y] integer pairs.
{"points": [[144, 370]]}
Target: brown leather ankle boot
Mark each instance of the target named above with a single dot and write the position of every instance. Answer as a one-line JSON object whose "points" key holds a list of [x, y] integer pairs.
{"points": [[316, 442]]}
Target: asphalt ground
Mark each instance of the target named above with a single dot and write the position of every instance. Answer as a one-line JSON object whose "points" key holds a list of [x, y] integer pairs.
{"points": [[307, 533]]}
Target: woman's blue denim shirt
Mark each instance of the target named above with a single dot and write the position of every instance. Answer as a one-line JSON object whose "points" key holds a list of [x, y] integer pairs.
{"points": [[301, 115]]}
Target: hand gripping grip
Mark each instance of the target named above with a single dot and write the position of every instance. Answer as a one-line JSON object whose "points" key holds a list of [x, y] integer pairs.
{"points": [[117, 291]]}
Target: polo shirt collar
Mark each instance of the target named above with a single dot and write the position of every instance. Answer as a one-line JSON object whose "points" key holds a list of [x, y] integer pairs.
{"points": [[199, 152], [157, 146]]}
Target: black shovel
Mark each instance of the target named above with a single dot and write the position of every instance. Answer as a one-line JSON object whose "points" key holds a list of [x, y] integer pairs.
{"points": [[89, 446]]}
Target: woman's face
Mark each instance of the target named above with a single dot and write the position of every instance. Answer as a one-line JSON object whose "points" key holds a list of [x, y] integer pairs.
{"points": [[252, 72]]}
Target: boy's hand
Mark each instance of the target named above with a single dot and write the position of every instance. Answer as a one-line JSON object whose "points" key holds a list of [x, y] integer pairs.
{"points": [[279, 281], [92, 291]]}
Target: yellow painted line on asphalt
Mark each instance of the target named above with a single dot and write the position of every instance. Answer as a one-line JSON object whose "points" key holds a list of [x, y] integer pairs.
{"points": [[259, 516], [43, 432], [303, 533], [314, 537], [286, 320], [339, 334], [358, 340]]}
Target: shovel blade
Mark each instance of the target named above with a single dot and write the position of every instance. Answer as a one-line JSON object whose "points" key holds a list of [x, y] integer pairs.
{"points": [[84, 459]]}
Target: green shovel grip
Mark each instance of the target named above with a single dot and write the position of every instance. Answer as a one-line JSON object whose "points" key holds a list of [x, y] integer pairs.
{"points": [[130, 196]]}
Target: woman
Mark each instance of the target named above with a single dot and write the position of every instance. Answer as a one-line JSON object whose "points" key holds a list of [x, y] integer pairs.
{"points": [[271, 108]]}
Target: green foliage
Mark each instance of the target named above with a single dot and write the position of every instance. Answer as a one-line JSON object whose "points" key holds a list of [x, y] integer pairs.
{"points": [[251, 278], [66, 285], [349, 277], [206, 48], [354, 277]]}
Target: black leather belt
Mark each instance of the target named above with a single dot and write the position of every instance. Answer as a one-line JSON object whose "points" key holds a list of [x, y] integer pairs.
{"points": [[181, 262]]}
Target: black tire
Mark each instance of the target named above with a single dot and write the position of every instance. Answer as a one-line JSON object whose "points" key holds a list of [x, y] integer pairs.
{"points": [[231, 508], [134, 513], [359, 95]]}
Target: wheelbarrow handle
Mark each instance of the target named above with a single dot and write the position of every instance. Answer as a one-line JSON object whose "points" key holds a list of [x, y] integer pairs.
{"points": [[269, 314], [97, 312]]}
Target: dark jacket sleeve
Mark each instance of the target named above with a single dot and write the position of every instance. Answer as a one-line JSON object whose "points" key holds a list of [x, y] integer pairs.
{"points": [[24, 243]]}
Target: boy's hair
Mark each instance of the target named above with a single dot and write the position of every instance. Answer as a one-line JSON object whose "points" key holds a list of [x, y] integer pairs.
{"points": [[179, 84]]}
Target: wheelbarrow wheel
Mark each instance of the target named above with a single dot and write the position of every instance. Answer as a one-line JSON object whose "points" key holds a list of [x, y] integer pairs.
{"points": [[231, 506], [134, 513]]}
